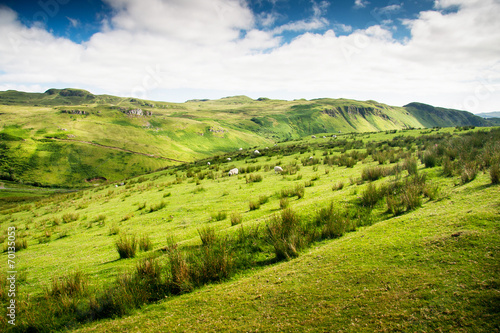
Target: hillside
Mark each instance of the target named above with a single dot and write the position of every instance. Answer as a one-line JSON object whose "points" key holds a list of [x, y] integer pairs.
{"points": [[387, 231], [71, 137], [488, 115]]}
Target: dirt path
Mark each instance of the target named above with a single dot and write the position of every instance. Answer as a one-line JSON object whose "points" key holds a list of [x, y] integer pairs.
{"points": [[121, 149]]}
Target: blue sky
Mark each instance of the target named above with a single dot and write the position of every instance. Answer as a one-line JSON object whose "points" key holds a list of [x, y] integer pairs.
{"points": [[441, 52]]}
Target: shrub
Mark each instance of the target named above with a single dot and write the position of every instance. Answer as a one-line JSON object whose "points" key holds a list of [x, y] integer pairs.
{"points": [[235, 218], [495, 173], [70, 217], [213, 262], [448, 167], [126, 246], [298, 191], [411, 196], [19, 244], [283, 234], [395, 205], [254, 178]]}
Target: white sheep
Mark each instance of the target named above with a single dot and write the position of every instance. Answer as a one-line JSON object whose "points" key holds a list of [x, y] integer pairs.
{"points": [[256, 152], [278, 169], [313, 136], [208, 163], [229, 158], [241, 149], [233, 172]]}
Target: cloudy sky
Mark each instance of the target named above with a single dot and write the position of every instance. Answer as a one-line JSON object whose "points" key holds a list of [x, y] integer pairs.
{"points": [[441, 52]]}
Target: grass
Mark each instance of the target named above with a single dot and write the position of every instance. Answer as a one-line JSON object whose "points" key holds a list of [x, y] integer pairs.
{"points": [[185, 256]]}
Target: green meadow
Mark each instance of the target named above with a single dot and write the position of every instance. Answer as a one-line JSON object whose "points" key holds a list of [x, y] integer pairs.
{"points": [[392, 230]]}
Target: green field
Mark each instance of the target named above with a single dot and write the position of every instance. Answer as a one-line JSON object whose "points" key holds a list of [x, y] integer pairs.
{"points": [[383, 231]]}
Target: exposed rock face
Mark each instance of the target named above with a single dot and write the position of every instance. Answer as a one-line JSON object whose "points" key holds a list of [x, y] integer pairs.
{"points": [[354, 110], [74, 111], [137, 112]]}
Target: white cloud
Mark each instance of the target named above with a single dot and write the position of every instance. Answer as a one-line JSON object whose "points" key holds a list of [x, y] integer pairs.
{"points": [[451, 59], [361, 3], [73, 22]]}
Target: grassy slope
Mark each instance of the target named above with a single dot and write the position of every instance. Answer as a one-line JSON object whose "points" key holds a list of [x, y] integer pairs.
{"points": [[436, 269], [181, 132], [409, 256], [431, 116]]}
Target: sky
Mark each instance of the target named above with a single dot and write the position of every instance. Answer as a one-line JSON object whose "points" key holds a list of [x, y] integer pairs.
{"points": [[440, 52]]}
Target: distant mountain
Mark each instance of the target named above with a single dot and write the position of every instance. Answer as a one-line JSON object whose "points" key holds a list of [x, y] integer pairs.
{"points": [[73, 137], [488, 115], [431, 116]]}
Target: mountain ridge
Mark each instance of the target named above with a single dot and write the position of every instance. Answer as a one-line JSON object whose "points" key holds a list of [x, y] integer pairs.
{"points": [[66, 136]]}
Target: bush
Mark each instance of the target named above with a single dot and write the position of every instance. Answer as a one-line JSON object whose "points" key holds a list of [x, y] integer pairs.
{"points": [[180, 282], [298, 191], [235, 218], [126, 246], [263, 199]]}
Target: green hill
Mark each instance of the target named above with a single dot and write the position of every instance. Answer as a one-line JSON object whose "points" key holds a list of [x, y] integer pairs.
{"points": [[71, 137], [363, 232]]}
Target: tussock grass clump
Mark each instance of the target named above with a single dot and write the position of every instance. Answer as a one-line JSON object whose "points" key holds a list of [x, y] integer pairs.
{"points": [[283, 233], [70, 217], [263, 199], [19, 244], [430, 159], [114, 230], [145, 243], [284, 203], [180, 272], [495, 173], [71, 285], [236, 218], [332, 222], [338, 186], [156, 207], [207, 235], [219, 216], [469, 172], [297, 191], [371, 196], [372, 173], [410, 165], [100, 218], [128, 216], [126, 246], [253, 178], [253, 205]]}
